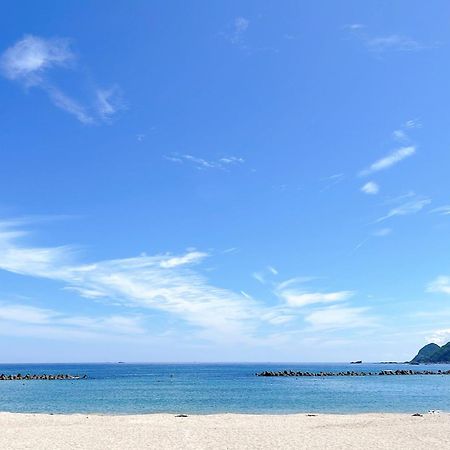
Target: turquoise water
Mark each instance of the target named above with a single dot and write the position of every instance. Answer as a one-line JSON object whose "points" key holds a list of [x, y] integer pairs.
{"points": [[213, 388]]}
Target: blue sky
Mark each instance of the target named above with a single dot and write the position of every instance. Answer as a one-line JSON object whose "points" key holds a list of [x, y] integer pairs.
{"points": [[224, 181]]}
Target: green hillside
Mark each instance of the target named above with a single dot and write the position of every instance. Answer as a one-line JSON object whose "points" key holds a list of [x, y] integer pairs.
{"points": [[433, 353]]}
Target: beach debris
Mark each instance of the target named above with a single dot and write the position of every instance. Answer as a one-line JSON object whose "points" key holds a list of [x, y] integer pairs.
{"points": [[417, 415], [311, 415], [60, 376], [291, 373], [181, 415]]}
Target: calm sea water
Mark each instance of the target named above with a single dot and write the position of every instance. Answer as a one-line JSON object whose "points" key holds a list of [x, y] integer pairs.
{"points": [[213, 388]]}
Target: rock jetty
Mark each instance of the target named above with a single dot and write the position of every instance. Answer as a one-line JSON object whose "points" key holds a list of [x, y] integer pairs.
{"points": [[60, 376], [291, 373]]}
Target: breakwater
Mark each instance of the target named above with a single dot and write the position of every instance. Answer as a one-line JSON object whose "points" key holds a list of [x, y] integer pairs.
{"points": [[291, 373], [60, 376]]}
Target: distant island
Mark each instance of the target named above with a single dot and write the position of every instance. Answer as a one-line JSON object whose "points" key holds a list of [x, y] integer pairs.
{"points": [[432, 353]]}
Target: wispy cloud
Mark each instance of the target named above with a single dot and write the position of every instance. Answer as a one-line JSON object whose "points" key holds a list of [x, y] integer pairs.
{"points": [[238, 30], [108, 102], [300, 299], [31, 60], [402, 134], [188, 258], [28, 59], [393, 42], [172, 285], [205, 164], [390, 160], [43, 320], [163, 282], [68, 104], [236, 34], [354, 26], [263, 275], [382, 232], [412, 123], [410, 207], [442, 210], [336, 317], [278, 317], [332, 181], [440, 285], [370, 188], [294, 294], [241, 25], [439, 337]]}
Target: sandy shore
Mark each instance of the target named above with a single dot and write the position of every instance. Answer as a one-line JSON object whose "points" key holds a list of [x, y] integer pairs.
{"points": [[224, 431]]}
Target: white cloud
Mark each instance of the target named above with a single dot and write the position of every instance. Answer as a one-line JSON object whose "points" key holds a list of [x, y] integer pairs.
{"points": [[442, 210], [231, 160], [26, 314], [393, 42], [293, 281], [354, 26], [370, 188], [169, 284], [30, 57], [382, 232], [278, 317], [188, 258], [297, 299], [411, 207], [109, 102], [258, 276], [440, 285], [386, 43], [388, 161], [439, 337], [332, 181], [161, 282], [413, 123], [36, 261], [400, 136], [29, 62], [240, 26], [230, 250], [204, 164], [336, 317], [264, 274], [69, 105], [13, 314]]}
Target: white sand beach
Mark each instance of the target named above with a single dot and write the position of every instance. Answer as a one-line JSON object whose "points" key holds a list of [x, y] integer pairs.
{"points": [[224, 431]]}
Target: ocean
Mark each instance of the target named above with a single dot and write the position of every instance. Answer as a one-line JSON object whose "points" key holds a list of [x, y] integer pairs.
{"points": [[221, 388]]}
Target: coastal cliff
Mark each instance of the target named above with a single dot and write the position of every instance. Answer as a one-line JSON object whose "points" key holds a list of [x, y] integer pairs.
{"points": [[433, 353]]}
